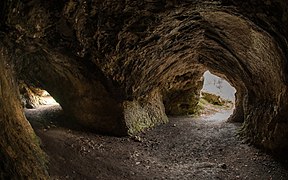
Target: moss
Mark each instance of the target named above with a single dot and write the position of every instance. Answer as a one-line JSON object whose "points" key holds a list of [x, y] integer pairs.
{"points": [[137, 127], [213, 99], [144, 114]]}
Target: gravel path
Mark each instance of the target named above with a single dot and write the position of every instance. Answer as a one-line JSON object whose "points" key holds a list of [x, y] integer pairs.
{"points": [[185, 148]]}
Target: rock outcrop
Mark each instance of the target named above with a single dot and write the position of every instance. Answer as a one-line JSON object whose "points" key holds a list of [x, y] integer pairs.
{"points": [[20, 154]]}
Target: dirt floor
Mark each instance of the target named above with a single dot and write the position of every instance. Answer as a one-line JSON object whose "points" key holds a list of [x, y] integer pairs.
{"points": [[185, 148]]}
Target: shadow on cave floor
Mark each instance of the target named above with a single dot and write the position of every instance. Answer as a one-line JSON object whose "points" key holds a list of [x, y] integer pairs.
{"points": [[50, 116], [184, 148]]}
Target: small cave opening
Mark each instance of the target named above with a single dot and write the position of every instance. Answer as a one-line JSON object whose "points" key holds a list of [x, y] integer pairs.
{"points": [[33, 98], [40, 108], [47, 99], [217, 98]]}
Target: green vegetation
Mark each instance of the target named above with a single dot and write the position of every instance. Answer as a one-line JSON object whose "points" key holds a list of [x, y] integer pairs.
{"points": [[209, 103]]}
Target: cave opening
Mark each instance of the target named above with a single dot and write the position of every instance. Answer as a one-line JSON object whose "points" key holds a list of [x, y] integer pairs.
{"points": [[33, 98], [217, 97], [47, 99], [40, 108]]}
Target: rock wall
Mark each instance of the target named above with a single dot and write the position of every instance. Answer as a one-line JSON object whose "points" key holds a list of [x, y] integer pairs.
{"points": [[145, 113], [181, 96], [20, 154]]}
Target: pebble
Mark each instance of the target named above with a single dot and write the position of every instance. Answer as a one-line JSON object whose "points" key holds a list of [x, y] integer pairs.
{"points": [[223, 166], [137, 139]]}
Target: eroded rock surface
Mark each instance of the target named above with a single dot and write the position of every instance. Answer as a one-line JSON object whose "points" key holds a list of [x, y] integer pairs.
{"points": [[20, 154]]}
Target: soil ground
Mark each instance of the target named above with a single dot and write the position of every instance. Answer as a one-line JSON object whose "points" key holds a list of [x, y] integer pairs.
{"points": [[193, 148]]}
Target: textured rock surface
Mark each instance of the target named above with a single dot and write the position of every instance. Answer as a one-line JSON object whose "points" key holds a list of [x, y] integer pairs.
{"points": [[182, 94], [30, 97], [101, 59], [146, 113], [20, 154]]}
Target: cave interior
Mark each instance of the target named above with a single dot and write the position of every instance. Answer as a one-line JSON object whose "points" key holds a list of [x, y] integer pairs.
{"points": [[115, 65]]}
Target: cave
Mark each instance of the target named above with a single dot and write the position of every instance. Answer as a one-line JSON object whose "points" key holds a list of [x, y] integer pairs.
{"points": [[121, 68]]}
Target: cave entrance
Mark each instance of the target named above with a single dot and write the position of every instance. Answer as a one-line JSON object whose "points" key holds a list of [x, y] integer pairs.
{"points": [[32, 97], [40, 108], [217, 99], [46, 99], [41, 98]]}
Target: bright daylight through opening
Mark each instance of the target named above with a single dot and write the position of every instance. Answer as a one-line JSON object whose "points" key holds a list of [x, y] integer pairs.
{"points": [[47, 99], [217, 97], [32, 97]]}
